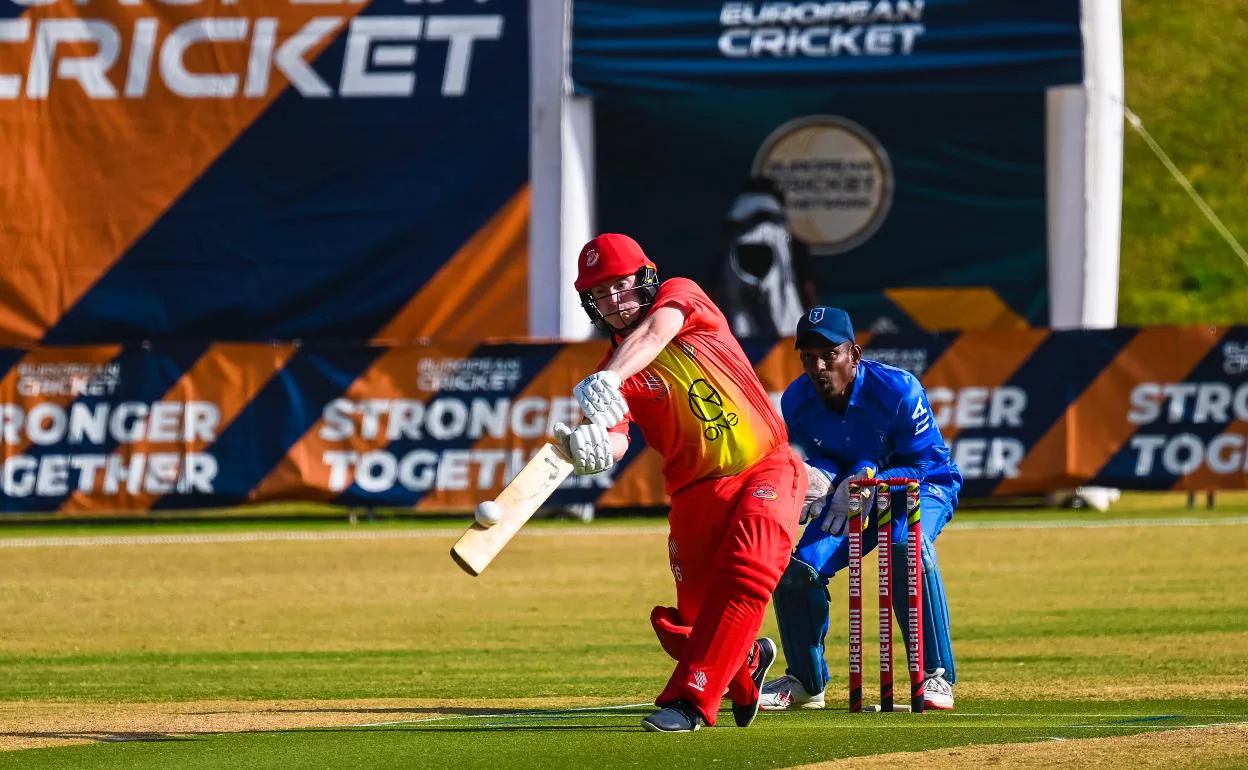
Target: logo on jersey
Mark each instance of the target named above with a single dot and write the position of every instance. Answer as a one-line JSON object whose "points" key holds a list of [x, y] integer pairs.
{"points": [[698, 682], [765, 493], [708, 406], [653, 382], [591, 258], [687, 349]]}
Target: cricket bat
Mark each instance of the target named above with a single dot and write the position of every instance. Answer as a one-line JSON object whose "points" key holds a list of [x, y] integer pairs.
{"points": [[531, 487]]}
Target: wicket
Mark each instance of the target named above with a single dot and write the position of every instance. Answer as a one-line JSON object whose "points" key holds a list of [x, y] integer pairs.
{"points": [[914, 590]]}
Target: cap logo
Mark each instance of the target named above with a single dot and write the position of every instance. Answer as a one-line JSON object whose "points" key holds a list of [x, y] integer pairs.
{"points": [[591, 258], [816, 315]]}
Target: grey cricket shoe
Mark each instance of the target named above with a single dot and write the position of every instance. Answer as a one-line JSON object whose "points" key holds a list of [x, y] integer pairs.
{"points": [[762, 656], [676, 717]]}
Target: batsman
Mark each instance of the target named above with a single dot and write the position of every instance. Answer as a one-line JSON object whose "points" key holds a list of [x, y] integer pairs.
{"points": [[736, 485], [854, 418]]}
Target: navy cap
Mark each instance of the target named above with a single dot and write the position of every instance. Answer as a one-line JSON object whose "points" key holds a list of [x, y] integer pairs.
{"points": [[831, 323]]}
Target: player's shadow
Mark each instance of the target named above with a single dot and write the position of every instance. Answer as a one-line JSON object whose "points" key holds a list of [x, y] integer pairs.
{"points": [[450, 711], [527, 728], [480, 720], [109, 736], [465, 719], [429, 712]]}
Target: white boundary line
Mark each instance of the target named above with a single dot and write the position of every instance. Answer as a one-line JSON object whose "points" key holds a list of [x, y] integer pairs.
{"points": [[264, 537], [573, 712], [604, 531], [1181, 521]]}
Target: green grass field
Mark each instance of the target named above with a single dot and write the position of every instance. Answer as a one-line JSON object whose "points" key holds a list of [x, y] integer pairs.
{"points": [[1186, 80], [1077, 644]]}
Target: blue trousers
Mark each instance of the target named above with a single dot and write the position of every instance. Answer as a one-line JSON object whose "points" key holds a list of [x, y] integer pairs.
{"points": [[828, 553], [802, 603]]}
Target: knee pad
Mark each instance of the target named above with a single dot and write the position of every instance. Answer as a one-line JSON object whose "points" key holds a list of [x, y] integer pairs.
{"points": [[802, 607]]}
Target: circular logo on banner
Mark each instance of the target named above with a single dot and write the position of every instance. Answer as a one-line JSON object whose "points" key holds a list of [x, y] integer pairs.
{"points": [[837, 180]]}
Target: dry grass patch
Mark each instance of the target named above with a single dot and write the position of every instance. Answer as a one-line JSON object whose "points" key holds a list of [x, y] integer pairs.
{"points": [[1218, 687], [1219, 746], [35, 724]]}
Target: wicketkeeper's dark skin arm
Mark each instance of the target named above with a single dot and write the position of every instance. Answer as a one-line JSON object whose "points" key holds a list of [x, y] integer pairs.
{"points": [[639, 349]]}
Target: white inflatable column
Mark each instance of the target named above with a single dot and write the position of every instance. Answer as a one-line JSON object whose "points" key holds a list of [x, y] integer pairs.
{"points": [[1085, 131], [561, 164], [1084, 159]]}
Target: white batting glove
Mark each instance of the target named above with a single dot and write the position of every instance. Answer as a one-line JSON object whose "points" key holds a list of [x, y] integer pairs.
{"points": [[820, 486], [563, 435], [837, 512], [587, 447], [600, 398]]}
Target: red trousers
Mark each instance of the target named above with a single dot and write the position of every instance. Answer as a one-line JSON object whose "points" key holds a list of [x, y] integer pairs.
{"points": [[730, 541]]}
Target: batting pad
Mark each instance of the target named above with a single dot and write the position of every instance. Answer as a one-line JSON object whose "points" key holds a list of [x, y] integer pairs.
{"points": [[802, 609], [937, 641]]}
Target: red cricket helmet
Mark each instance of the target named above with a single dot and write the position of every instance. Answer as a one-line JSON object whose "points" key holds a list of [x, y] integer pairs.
{"points": [[608, 257]]}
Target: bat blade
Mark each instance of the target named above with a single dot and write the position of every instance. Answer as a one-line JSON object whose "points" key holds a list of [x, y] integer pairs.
{"points": [[531, 487]]}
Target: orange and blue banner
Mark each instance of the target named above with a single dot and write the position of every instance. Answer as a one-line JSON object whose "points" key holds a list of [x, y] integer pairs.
{"points": [[183, 183], [250, 170], [148, 427]]}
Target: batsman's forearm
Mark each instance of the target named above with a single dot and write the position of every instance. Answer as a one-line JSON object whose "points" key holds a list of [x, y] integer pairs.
{"points": [[641, 347], [636, 352]]}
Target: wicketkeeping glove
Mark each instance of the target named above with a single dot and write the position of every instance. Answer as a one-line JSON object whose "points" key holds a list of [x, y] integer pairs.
{"points": [[817, 493], [837, 511]]}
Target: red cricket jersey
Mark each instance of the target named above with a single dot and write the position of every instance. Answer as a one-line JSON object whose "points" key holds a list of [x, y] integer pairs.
{"points": [[699, 403]]}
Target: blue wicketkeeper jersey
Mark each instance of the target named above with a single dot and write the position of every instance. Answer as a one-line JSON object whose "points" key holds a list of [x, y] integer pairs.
{"points": [[887, 425]]}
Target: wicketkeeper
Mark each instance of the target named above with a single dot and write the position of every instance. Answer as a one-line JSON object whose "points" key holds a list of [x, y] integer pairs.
{"points": [[736, 486], [855, 418]]}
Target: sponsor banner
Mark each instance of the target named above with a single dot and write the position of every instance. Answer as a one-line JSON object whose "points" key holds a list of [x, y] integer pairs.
{"points": [[139, 428], [251, 170], [910, 226], [912, 45], [907, 136]]}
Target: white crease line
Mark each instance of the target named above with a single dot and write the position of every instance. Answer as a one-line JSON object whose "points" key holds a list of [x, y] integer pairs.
{"points": [[263, 537], [1162, 727], [1211, 724], [1187, 521], [588, 531], [1087, 716], [557, 714], [573, 712]]}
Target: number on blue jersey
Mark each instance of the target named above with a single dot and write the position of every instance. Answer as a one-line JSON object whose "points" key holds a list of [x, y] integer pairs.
{"points": [[922, 418]]}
